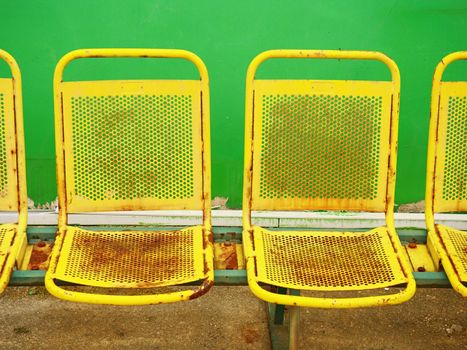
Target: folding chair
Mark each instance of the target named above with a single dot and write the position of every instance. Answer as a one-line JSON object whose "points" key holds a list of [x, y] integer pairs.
{"points": [[446, 181], [323, 145], [132, 145], [13, 194]]}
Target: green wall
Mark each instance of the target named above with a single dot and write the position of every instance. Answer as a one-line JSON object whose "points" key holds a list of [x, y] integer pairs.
{"points": [[227, 35]]}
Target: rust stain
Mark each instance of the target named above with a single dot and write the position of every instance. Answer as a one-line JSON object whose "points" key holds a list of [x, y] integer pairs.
{"points": [[144, 261], [207, 238], [147, 284], [250, 335], [226, 256], [203, 289], [40, 256], [333, 267]]}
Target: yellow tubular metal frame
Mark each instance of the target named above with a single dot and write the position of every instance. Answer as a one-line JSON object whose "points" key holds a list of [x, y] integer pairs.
{"points": [[248, 229], [16, 253], [61, 181], [434, 240]]}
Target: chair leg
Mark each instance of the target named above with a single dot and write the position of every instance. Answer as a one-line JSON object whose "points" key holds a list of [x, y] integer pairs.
{"points": [[279, 309], [284, 335], [294, 323]]}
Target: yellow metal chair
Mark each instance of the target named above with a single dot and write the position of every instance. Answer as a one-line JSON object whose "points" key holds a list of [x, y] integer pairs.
{"points": [[446, 181], [13, 194], [132, 145], [323, 145]]}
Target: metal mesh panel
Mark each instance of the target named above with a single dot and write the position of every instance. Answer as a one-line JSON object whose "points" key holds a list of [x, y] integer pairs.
{"points": [[323, 145], [327, 260], [455, 242], [3, 163], [8, 173], [130, 259], [129, 145], [7, 233], [455, 163]]}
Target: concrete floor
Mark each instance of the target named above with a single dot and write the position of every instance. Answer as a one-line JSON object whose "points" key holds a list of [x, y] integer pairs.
{"points": [[226, 318]]}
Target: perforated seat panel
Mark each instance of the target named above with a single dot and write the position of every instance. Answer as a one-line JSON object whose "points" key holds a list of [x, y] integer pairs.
{"points": [[7, 233], [314, 260], [455, 242], [131, 259]]}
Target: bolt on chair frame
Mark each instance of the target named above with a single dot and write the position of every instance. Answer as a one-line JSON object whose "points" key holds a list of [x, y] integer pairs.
{"points": [[13, 239], [160, 94], [446, 180], [252, 199]]}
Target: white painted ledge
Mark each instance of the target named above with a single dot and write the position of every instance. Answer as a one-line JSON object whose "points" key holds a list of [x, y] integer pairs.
{"points": [[231, 218]]}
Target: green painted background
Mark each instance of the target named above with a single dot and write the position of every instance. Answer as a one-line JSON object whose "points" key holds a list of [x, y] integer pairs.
{"points": [[227, 35]]}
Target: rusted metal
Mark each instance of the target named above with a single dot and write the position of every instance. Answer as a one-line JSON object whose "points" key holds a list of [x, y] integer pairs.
{"points": [[40, 256], [143, 259], [225, 256], [203, 289], [15, 197]]}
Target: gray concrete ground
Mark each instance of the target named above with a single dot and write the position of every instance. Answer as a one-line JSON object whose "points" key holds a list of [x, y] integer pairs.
{"points": [[226, 318]]}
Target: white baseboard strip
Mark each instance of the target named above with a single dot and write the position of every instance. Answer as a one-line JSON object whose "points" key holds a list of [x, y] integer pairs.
{"points": [[231, 218]]}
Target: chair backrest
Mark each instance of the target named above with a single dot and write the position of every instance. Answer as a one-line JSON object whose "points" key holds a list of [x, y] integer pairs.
{"points": [[13, 194], [132, 144], [446, 183], [320, 144]]}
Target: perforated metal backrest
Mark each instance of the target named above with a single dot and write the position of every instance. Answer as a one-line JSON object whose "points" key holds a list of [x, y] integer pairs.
{"points": [[8, 166], [133, 145], [321, 144], [9, 190], [450, 155]]}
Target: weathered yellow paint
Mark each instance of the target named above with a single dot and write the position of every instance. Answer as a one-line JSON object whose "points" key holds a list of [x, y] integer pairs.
{"points": [[78, 246], [420, 258], [452, 253], [116, 89], [240, 257], [158, 257], [228, 256], [13, 239], [26, 258], [449, 90], [382, 200], [335, 261], [7, 235], [383, 90], [8, 192]]}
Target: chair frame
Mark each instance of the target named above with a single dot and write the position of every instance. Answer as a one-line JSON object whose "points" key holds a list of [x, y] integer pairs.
{"points": [[294, 300], [434, 243], [61, 180], [18, 247]]}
